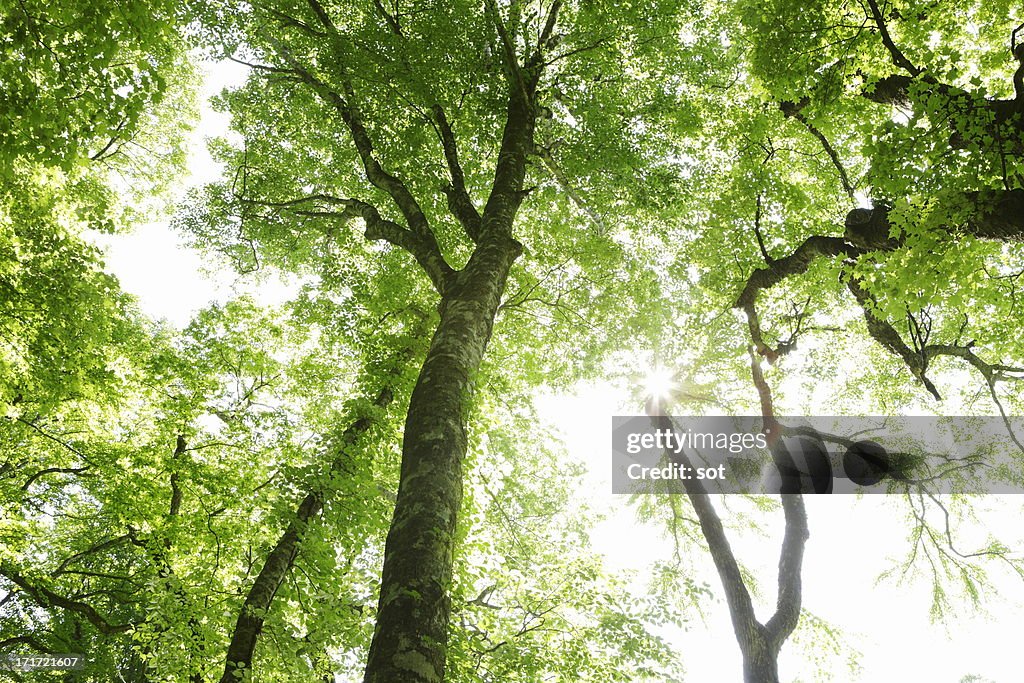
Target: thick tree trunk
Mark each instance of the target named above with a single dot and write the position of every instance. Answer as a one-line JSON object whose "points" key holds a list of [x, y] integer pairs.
{"points": [[410, 640], [761, 669], [760, 662], [411, 635]]}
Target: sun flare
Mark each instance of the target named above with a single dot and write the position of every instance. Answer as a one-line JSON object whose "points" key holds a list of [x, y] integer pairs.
{"points": [[659, 383]]}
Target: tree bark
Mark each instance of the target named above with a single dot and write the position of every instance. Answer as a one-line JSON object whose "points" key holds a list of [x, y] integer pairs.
{"points": [[759, 643], [410, 638], [995, 215], [760, 661], [411, 634]]}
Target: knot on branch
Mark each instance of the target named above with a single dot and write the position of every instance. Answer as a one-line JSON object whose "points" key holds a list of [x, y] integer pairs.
{"points": [[870, 229], [790, 109]]}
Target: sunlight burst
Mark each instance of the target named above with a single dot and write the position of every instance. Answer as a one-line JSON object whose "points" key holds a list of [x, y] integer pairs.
{"points": [[659, 383]]}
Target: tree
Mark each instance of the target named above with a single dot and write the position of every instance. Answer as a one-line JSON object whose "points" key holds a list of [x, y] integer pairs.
{"points": [[93, 100], [570, 179], [448, 97]]}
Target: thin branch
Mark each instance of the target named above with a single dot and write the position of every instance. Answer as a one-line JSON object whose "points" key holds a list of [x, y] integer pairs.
{"points": [[459, 201], [885, 334], [547, 157], [53, 470], [54, 439], [993, 373], [262, 67], [949, 533], [791, 554], [898, 58], [757, 231], [102, 154], [392, 20], [103, 545], [288, 20], [425, 251], [26, 640], [45, 597], [791, 109], [579, 50]]}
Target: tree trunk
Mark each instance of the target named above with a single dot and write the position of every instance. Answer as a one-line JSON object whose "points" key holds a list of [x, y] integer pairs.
{"points": [[411, 634], [279, 560], [760, 664]]}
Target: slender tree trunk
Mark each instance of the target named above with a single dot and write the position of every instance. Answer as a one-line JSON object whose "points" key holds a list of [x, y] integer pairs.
{"points": [[280, 559], [410, 639], [760, 643]]}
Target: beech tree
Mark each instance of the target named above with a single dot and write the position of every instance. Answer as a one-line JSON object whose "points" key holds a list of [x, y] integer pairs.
{"points": [[440, 109], [157, 608], [89, 96]]}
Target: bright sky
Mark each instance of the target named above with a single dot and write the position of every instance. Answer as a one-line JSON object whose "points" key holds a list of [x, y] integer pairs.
{"points": [[852, 541]]}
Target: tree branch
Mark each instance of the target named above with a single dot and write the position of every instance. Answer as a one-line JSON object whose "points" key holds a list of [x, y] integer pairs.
{"points": [[511, 58], [262, 67], [280, 559], [788, 602], [886, 335], [741, 609], [45, 597], [791, 109], [778, 270], [392, 20], [427, 251], [459, 201], [322, 16], [424, 249], [545, 154], [176, 494], [757, 231], [993, 373], [796, 263], [103, 545], [898, 58], [53, 470], [547, 38]]}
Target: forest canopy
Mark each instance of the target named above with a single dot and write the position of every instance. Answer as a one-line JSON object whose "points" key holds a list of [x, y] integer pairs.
{"points": [[777, 209]]}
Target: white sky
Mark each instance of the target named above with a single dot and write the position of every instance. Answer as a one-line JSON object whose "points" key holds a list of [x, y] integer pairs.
{"points": [[851, 542]]}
